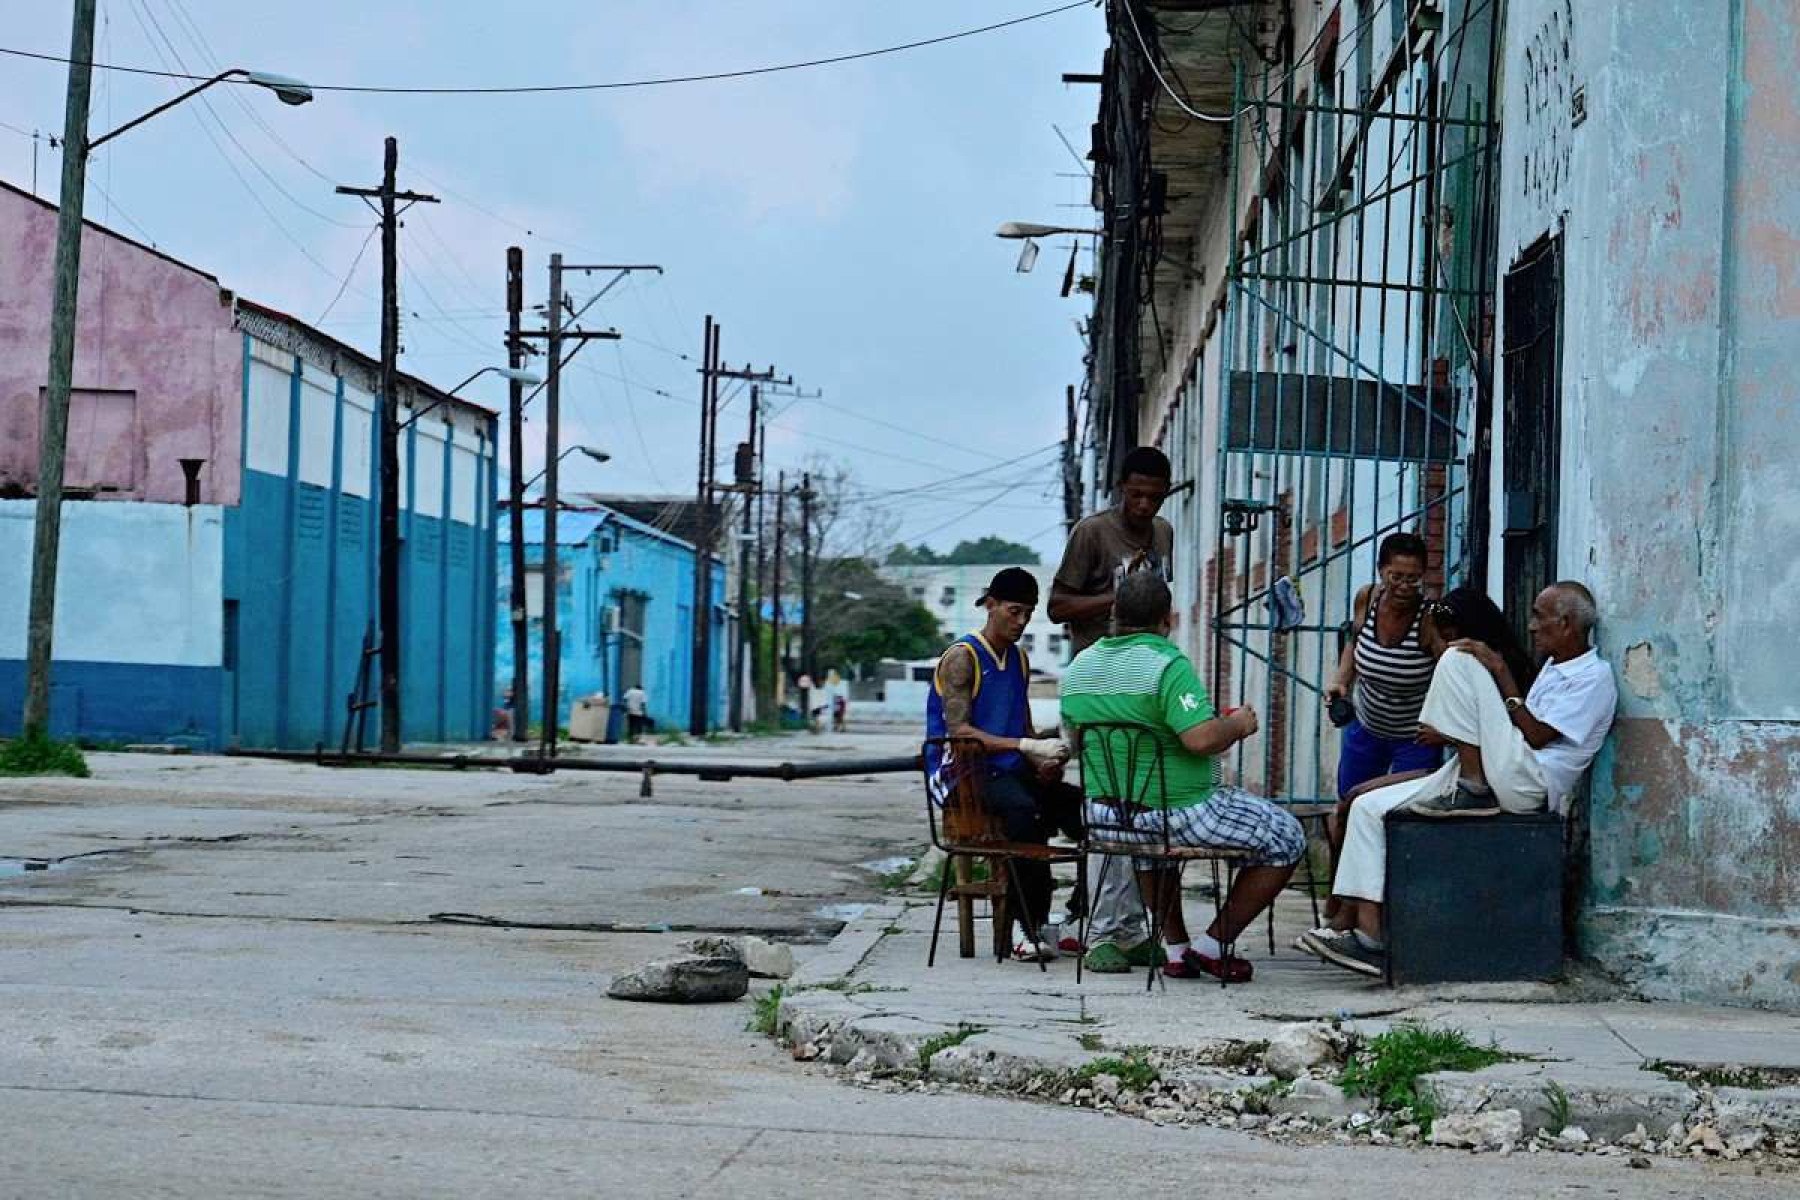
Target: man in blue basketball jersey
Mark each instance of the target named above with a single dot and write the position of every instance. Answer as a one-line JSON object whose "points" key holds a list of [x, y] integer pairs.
{"points": [[979, 692]]}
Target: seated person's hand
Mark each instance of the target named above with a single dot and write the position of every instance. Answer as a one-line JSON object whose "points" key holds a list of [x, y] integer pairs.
{"points": [[1049, 772], [1430, 737], [1044, 751], [1247, 723]]}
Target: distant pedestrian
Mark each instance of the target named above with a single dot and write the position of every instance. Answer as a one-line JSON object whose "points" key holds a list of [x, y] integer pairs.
{"points": [[840, 712], [637, 712]]}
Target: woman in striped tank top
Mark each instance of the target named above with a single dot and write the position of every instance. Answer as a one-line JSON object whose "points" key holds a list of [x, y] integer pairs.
{"points": [[1385, 671]]}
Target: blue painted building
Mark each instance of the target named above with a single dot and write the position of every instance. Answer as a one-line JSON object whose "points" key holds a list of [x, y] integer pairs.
{"points": [[624, 614], [217, 573]]}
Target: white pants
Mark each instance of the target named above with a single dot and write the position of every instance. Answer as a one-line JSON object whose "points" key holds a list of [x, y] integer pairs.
{"points": [[1465, 706]]}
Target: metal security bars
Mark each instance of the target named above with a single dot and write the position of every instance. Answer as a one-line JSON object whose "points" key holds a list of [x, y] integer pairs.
{"points": [[1351, 362]]}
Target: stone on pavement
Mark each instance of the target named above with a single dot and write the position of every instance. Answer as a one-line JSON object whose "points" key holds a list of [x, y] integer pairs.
{"points": [[1478, 1131], [1608, 1102], [765, 959], [1740, 1111], [1316, 1099], [1008, 1059], [1296, 1049], [692, 979]]}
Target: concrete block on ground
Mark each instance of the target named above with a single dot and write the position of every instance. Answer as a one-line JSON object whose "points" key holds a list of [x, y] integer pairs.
{"points": [[1009, 1059], [764, 959], [694, 979], [1490, 1130], [1319, 1100], [1294, 1049], [1607, 1102], [809, 1018], [1741, 1111], [893, 1042]]}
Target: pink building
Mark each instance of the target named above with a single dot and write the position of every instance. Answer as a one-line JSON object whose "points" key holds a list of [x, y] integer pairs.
{"points": [[236, 615]]}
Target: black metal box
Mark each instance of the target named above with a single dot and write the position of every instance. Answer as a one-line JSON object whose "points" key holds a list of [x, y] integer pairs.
{"points": [[1474, 898]]}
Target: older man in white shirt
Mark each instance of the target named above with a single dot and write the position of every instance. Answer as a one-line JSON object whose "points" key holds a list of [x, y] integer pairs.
{"points": [[1517, 753]]}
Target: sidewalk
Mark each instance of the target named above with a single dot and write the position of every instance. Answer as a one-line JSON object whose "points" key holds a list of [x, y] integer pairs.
{"points": [[1595, 1072]]}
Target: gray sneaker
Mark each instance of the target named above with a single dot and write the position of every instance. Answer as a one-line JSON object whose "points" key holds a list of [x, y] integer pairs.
{"points": [[1347, 951], [1460, 803]]}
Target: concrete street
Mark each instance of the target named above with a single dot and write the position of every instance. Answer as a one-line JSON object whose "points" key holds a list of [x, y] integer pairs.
{"points": [[239, 990]]}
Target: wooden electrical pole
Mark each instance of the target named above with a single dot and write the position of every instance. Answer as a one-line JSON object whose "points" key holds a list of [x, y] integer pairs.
{"points": [[515, 415], [777, 660], [712, 371], [555, 334], [746, 479], [53, 421], [389, 603], [808, 555]]}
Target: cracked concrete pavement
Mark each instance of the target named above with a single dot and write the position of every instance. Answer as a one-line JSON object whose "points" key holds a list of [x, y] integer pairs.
{"points": [[246, 995]]}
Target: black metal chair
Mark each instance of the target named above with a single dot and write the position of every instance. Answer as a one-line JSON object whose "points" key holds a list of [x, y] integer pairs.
{"points": [[966, 830], [1122, 771]]}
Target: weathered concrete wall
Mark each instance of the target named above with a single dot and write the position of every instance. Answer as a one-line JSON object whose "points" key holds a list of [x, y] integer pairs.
{"points": [[1680, 498], [155, 349]]}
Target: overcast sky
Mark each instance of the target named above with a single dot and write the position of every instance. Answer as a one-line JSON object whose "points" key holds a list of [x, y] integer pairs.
{"points": [[837, 221]]}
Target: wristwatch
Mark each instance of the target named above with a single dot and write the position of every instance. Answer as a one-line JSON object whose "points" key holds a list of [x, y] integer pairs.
{"points": [[1514, 704]]}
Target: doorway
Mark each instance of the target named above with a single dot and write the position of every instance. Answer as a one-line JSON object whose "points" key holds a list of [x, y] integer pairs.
{"points": [[1531, 426]]}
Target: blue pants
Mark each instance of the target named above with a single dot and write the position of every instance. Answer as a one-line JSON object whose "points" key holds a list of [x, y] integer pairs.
{"points": [[1364, 756]]}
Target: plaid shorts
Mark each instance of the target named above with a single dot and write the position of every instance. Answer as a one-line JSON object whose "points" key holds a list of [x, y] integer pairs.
{"points": [[1230, 817]]}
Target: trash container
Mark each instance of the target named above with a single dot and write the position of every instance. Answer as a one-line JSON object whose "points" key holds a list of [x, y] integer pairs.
{"points": [[587, 723]]}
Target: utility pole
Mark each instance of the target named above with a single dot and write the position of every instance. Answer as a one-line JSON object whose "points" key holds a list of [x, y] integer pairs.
{"points": [[702, 600], [389, 603], [808, 553], [515, 426], [1071, 473], [712, 371], [746, 479], [554, 335], [777, 661], [53, 421], [551, 709]]}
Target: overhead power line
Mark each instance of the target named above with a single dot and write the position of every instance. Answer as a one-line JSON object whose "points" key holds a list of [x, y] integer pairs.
{"points": [[607, 85]]}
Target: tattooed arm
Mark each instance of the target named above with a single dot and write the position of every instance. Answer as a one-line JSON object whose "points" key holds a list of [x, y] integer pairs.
{"points": [[956, 685]]}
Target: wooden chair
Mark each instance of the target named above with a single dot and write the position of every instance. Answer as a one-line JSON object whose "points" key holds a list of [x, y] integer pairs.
{"points": [[965, 830], [1122, 771]]}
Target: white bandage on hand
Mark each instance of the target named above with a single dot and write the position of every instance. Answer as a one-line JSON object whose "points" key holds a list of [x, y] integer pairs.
{"points": [[1044, 750]]}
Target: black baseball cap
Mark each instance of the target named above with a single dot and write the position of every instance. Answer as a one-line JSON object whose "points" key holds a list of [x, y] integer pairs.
{"points": [[1010, 585]]}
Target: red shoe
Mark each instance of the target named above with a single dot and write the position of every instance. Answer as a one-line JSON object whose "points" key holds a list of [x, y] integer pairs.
{"points": [[1195, 965], [1071, 945]]}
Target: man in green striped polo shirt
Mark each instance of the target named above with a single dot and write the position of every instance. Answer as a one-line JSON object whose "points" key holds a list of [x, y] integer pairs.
{"points": [[1139, 677]]}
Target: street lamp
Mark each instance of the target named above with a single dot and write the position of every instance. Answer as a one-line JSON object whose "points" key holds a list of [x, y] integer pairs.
{"points": [[597, 455], [514, 374], [1027, 229], [53, 432]]}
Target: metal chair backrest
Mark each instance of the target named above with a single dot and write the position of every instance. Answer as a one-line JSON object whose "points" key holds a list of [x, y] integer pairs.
{"points": [[1124, 772], [955, 796]]}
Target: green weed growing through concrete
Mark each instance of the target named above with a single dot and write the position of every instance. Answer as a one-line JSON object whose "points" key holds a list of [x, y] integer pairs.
{"points": [[944, 1041], [38, 754], [1387, 1068], [1135, 1071], [1558, 1101], [765, 1018]]}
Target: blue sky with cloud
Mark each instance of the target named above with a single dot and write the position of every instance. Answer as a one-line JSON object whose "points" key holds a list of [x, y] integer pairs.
{"points": [[837, 221]]}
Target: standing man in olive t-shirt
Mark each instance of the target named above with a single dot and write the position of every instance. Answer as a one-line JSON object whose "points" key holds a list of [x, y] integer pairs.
{"points": [[1103, 549], [1108, 546]]}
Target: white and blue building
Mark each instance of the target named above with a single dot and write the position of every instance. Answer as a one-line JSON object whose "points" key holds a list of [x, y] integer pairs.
{"points": [[625, 615], [217, 574]]}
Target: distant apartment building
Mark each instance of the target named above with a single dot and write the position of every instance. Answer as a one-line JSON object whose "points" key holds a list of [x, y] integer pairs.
{"points": [[950, 592], [217, 579]]}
